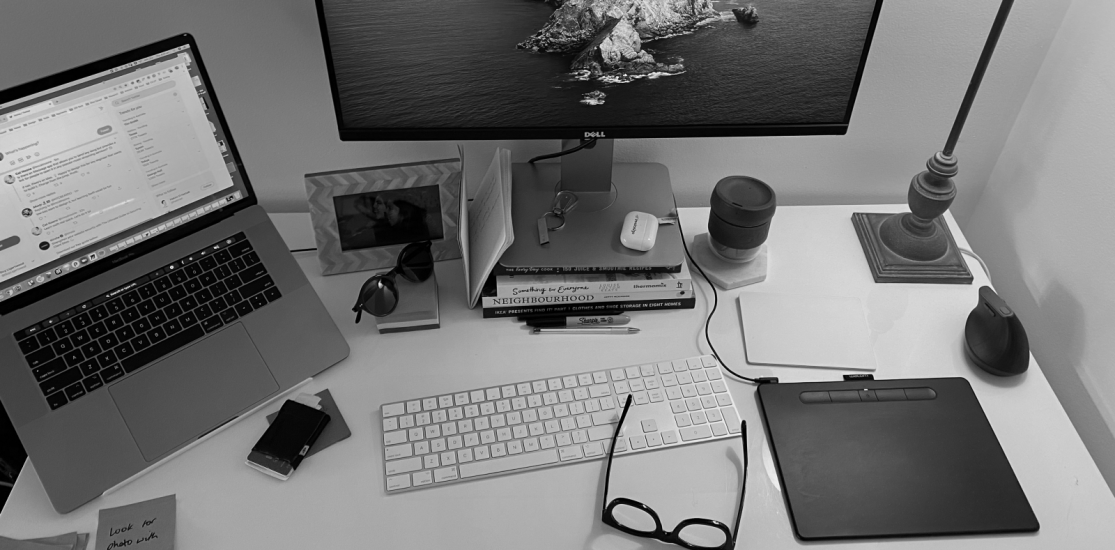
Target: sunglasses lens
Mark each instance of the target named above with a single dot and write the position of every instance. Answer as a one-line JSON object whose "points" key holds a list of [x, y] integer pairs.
{"points": [[416, 262], [381, 298]]}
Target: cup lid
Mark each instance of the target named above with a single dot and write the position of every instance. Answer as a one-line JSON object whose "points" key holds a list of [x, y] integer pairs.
{"points": [[743, 201]]}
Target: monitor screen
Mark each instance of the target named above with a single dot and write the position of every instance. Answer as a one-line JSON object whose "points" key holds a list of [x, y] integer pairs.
{"points": [[548, 69]]}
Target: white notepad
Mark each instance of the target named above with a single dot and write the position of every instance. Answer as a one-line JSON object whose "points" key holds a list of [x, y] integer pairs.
{"points": [[806, 331]]}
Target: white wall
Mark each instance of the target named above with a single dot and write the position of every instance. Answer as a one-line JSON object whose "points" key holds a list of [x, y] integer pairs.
{"points": [[1044, 223], [269, 72]]}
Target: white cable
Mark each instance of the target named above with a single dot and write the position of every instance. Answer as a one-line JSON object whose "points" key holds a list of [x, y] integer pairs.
{"points": [[983, 265]]}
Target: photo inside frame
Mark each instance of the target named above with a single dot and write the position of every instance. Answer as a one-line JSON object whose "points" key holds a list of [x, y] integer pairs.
{"points": [[389, 217]]}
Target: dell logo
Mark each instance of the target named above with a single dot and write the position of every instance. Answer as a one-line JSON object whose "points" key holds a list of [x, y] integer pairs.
{"points": [[594, 135]]}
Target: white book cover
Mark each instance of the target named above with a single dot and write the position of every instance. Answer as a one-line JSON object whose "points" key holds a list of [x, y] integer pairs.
{"points": [[509, 286], [600, 297]]}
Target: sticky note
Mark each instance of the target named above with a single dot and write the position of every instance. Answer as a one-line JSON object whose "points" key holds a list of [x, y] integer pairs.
{"points": [[147, 525]]}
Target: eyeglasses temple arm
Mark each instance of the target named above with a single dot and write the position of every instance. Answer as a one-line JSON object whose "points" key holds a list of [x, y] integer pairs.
{"points": [[611, 453], [743, 482]]}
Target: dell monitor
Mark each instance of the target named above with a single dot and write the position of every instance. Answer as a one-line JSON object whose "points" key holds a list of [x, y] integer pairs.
{"points": [[593, 71]]}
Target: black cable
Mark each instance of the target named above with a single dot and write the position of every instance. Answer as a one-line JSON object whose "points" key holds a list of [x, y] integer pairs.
{"points": [[584, 144], [302, 250], [715, 302]]}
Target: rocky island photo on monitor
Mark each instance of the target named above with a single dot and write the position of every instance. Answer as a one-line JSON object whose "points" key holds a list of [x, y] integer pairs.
{"points": [[562, 63]]}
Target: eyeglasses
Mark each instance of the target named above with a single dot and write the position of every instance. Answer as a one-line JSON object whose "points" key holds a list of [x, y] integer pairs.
{"points": [[635, 518], [379, 295]]}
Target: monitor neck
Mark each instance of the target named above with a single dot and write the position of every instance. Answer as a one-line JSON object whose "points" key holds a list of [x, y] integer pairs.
{"points": [[588, 174]]}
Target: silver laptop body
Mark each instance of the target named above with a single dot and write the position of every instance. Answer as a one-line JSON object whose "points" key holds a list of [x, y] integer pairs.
{"points": [[145, 298]]}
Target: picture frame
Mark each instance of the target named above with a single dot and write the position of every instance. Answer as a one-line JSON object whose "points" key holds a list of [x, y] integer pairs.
{"points": [[363, 217]]}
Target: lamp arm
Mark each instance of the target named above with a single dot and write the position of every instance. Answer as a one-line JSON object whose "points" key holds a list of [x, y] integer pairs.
{"points": [[977, 77]]}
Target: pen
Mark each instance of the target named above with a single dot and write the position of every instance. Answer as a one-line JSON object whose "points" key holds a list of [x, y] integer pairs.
{"points": [[580, 320], [585, 330]]}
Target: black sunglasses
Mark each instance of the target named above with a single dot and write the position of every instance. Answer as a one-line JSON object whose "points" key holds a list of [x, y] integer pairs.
{"points": [[635, 518], [379, 295]]}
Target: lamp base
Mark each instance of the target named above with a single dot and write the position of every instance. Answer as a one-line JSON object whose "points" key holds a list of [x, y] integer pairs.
{"points": [[725, 274], [888, 266]]}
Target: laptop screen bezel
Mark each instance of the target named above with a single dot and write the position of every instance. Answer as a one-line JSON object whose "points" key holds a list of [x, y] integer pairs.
{"points": [[162, 239]]}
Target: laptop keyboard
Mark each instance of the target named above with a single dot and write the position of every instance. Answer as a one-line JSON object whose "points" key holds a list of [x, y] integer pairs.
{"points": [[86, 347]]}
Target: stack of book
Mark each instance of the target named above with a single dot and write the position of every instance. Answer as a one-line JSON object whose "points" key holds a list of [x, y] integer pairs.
{"points": [[511, 294]]}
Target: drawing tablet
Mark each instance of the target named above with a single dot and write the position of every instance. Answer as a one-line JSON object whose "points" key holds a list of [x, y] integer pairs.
{"points": [[890, 458]]}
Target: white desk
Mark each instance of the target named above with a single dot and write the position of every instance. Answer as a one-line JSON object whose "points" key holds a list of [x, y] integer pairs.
{"points": [[337, 499]]}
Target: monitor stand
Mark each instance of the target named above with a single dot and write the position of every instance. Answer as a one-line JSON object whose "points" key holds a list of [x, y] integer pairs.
{"points": [[606, 192]]}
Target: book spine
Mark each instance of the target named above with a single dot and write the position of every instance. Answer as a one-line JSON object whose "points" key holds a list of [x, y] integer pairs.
{"points": [[511, 289], [562, 299], [501, 269], [638, 305]]}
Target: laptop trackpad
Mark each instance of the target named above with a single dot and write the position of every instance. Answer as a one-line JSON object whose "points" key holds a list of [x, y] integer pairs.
{"points": [[187, 394]]}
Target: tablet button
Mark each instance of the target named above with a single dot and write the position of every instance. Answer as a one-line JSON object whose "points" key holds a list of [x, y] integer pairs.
{"points": [[890, 395], [814, 397], [920, 394], [844, 396]]}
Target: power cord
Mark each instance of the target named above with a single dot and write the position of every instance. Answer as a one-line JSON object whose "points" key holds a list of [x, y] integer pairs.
{"points": [[708, 319], [586, 143], [303, 250], [982, 265]]}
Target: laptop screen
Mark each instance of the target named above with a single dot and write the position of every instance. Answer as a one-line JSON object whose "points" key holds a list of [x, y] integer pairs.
{"points": [[98, 165]]}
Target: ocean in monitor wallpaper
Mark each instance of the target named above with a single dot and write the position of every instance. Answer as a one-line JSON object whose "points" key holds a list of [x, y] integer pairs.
{"points": [[594, 63]]}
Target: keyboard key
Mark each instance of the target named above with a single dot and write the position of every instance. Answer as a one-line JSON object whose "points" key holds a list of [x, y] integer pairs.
{"points": [[423, 478], [74, 391], [41, 357], [395, 483], [445, 474], [47, 337], [56, 400], [257, 286], [229, 315], [47, 370], [406, 465], [508, 463], [92, 382], [28, 345], [89, 367], [695, 432], [571, 453], [60, 381], [211, 323], [112, 373]]}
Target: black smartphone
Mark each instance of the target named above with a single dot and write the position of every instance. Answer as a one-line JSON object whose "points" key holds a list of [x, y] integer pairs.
{"points": [[286, 442]]}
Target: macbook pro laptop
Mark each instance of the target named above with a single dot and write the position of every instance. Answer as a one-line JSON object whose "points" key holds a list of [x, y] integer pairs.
{"points": [[145, 298]]}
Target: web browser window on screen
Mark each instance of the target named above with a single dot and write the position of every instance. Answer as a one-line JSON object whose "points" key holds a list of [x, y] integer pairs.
{"points": [[101, 159]]}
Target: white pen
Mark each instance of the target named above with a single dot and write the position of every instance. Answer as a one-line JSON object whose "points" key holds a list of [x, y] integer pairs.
{"points": [[579, 321], [585, 330]]}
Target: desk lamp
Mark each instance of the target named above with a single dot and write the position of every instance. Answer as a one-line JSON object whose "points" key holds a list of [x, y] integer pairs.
{"points": [[916, 246]]}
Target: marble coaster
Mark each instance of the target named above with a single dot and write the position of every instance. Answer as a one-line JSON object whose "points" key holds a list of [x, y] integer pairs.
{"points": [[725, 274]]}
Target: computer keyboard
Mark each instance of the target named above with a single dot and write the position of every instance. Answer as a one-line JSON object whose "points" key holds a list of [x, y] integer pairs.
{"points": [[443, 439], [83, 348]]}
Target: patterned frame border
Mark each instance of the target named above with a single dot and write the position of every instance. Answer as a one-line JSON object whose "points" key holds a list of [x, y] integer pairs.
{"points": [[322, 187]]}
